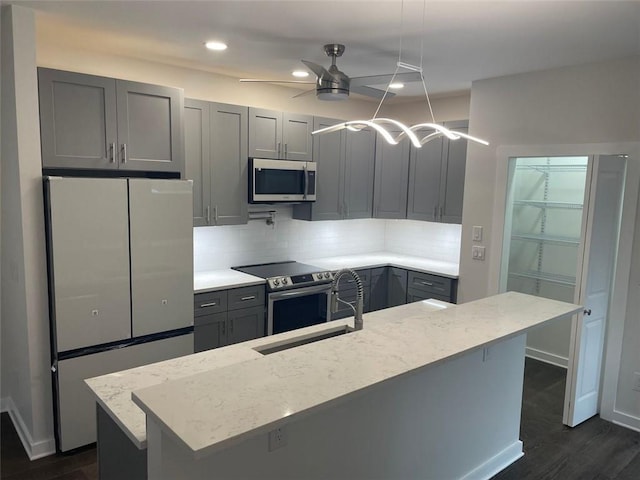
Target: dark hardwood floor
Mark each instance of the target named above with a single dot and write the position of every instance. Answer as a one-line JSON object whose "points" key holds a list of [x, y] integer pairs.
{"points": [[595, 450]]}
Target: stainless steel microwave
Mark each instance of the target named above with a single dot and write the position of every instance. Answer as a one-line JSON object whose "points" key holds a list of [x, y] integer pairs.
{"points": [[281, 181]]}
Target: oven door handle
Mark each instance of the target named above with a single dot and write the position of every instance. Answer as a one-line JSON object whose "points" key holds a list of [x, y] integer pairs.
{"points": [[300, 291]]}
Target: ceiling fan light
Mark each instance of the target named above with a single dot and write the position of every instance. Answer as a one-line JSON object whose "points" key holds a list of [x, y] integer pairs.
{"points": [[332, 94], [396, 85], [300, 73]]}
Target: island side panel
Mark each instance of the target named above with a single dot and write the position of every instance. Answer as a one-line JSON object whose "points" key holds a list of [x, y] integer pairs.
{"points": [[460, 419], [118, 457]]}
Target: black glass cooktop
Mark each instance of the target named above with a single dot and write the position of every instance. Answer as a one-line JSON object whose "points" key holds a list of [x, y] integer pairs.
{"points": [[289, 268]]}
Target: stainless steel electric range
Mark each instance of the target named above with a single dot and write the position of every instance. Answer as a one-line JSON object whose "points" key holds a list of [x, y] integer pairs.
{"points": [[298, 295]]}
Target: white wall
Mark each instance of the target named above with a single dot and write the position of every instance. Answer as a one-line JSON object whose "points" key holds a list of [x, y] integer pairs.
{"points": [[590, 107], [224, 247], [26, 379]]}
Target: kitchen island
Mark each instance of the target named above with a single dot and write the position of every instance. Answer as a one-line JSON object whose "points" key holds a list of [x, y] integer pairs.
{"points": [[420, 392]]}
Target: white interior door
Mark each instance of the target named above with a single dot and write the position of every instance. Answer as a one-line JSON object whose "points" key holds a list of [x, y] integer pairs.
{"points": [[588, 330]]}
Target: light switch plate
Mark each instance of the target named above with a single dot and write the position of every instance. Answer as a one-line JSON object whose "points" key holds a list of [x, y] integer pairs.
{"points": [[477, 233], [477, 252]]}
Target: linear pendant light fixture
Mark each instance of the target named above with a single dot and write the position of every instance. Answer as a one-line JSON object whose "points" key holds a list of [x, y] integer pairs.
{"points": [[413, 133]]}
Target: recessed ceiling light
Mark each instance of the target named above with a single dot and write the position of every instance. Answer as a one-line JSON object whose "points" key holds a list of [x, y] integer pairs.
{"points": [[300, 73], [396, 85], [216, 45]]}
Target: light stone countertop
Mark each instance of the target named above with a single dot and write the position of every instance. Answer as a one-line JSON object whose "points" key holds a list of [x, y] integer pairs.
{"points": [[220, 407], [383, 259], [212, 280], [222, 279]]}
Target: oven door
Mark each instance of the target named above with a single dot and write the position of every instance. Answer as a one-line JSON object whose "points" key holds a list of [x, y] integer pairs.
{"points": [[298, 308]]}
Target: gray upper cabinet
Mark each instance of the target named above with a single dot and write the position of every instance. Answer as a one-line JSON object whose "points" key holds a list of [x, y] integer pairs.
{"points": [[149, 127], [197, 162], [453, 182], [436, 179], [280, 135], [391, 178], [216, 160], [77, 120], [91, 122], [345, 162], [359, 173], [328, 151]]}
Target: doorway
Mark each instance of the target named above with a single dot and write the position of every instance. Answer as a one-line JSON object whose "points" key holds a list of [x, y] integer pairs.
{"points": [[561, 229]]}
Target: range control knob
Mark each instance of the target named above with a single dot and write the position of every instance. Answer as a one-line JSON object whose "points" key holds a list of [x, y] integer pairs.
{"points": [[276, 282], [327, 274], [285, 280]]}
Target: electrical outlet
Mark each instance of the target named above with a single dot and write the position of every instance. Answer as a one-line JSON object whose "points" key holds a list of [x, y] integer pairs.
{"points": [[477, 252], [636, 381], [277, 438]]}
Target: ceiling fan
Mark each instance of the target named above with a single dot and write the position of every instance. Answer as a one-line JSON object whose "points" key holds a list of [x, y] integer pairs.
{"points": [[332, 84]]}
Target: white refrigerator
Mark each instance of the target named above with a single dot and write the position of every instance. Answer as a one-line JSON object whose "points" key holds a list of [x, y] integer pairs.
{"points": [[120, 260]]}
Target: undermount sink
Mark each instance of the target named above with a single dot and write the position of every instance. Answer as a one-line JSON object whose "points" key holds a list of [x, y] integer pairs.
{"points": [[303, 340]]}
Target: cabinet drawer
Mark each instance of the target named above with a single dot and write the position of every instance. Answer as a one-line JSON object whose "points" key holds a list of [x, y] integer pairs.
{"points": [[414, 295], [347, 282], [430, 284], [246, 297], [210, 302]]}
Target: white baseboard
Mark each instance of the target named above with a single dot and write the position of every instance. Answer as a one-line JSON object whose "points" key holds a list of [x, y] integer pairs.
{"points": [[34, 450], [625, 420], [547, 357], [496, 463]]}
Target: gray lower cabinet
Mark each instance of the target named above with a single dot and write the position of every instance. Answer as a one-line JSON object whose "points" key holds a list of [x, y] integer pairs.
{"points": [[347, 291], [228, 316], [92, 122], [421, 286], [216, 160], [391, 179], [345, 173], [396, 287], [378, 289], [280, 135], [436, 179]]}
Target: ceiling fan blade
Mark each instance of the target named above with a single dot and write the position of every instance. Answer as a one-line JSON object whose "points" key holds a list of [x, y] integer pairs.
{"points": [[257, 80], [404, 77], [306, 92], [318, 70], [370, 92]]}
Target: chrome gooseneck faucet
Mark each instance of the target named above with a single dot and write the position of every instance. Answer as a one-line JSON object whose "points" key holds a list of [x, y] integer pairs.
{"points": [[357, 310]]}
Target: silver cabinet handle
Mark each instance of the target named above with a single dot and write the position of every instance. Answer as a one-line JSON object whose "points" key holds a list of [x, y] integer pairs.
{"points": [[112, 152], [208, 210], [210, 304], [224, 328], [124, 153], [440, 213], [435, 212], [306, 177], [231, 327], [215, 214], [427, 284], [250, 297], [285, 150], [279, 145]]}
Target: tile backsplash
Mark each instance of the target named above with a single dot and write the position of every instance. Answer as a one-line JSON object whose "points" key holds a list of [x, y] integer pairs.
{"points": [[288, 239]]}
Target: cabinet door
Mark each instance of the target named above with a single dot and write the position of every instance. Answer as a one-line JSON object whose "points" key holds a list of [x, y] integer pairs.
{"points": [[328, 152], [245, 324], [209, 331], [161, 229], [229, 160], [452, 184], [391, 179], [265, 133], [378, 298], [425, 174], [150, 132], [197, 163], [89, 245], [397, 287], [359, 167], [296, 136], [77, 120]]}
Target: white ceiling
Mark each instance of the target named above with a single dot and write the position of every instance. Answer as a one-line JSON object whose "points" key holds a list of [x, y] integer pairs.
{"points": [[463, 40]]}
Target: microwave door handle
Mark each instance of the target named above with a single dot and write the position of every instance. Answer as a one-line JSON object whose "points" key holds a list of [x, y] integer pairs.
{"points": [[306, 181]]}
